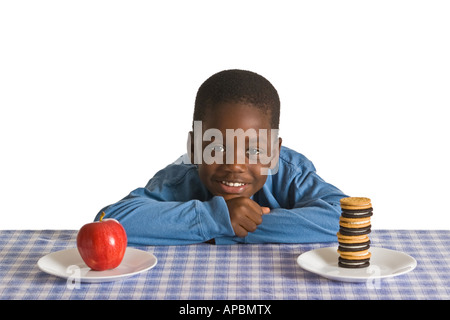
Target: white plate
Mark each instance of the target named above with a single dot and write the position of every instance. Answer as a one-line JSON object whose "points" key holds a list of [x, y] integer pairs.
{"points": [[69, 264], [384, 263]]}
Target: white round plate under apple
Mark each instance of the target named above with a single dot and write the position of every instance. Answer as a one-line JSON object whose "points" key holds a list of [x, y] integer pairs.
{"points": [[384, 263], [69, 264]]}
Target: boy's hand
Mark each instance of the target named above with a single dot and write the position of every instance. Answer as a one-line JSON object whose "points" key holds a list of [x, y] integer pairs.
{"points": [[245, 215]]}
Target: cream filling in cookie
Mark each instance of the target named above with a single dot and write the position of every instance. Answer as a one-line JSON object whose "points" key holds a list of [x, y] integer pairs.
{"points": [[352, 247]]}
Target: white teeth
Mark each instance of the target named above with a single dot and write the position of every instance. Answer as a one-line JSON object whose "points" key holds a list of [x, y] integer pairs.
{"points": [[233, 184]]}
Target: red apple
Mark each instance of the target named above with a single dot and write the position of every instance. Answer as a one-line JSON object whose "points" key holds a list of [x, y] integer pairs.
{"points": [[102, 244]]}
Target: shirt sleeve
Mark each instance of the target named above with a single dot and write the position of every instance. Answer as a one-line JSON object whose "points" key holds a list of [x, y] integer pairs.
{"points": [[154, 218]]}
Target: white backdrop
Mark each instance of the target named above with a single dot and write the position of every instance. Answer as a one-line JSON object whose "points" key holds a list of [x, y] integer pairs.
{"points": [[96, 96]]}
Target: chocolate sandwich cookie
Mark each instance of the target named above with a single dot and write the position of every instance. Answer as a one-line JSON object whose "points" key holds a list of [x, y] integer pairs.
{"points": [[358, 226], [360, 213], [355, 231], [346, 263], [352, 244], [352, 247]]}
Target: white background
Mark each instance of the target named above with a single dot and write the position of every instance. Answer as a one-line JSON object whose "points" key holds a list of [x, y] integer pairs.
{"points": [[96, 96]]}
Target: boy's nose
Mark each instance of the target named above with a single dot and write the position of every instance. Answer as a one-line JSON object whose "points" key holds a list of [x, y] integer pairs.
{"points": [[234, 167], [236, 162]]}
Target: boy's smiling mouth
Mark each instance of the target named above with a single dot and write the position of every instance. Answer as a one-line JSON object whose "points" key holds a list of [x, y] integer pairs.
{"points": [[233, 184], [231, 187]]}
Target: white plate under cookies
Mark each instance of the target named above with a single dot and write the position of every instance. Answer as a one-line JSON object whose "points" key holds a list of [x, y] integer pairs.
{"points": [[384, 263]]}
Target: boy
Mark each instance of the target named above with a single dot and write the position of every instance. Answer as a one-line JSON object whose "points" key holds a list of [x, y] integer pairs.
{"points": [[236, 184]]}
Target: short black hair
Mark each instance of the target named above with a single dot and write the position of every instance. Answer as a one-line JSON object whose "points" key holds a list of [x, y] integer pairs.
{"points": [[238, 86]]}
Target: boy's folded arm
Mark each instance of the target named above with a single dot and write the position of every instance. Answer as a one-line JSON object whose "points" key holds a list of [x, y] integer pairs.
{"points": [[149, 220], [313, 215], [315, 222]]}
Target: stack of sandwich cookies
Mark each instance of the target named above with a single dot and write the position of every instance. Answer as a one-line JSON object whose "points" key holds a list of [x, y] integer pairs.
{"points": [[354, 227]]}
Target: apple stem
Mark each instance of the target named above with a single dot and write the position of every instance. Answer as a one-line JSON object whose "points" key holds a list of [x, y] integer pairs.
{"points": [[102, 215]]}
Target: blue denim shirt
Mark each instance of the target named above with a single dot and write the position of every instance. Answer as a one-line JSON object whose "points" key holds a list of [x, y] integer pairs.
{"points": [[176, 208]]}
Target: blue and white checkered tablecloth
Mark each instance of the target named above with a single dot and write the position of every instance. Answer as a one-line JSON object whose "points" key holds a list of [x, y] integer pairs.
{"points": [[205, 271]]}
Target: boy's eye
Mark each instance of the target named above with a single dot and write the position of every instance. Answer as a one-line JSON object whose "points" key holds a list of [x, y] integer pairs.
{"points": [[254, 151]]}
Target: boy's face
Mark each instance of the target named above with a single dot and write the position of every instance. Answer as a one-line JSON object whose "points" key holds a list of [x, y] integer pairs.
{"points": [[230, 168]]}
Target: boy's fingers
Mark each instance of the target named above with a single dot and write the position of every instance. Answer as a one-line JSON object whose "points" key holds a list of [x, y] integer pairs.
{"points": [[240, 231], [265, 210]]}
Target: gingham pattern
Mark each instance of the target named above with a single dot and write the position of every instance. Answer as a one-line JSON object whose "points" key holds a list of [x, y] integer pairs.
{"points": [[205, 271]]}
